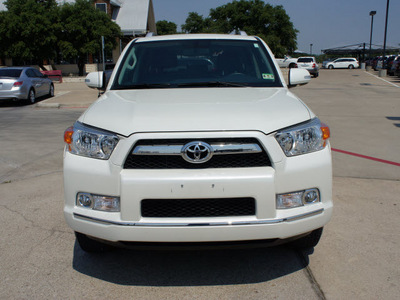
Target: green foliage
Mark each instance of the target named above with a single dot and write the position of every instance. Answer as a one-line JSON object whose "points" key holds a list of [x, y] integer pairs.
{"points": [[37, 29], [82, 26], [271, 23], [164, 27], [195, 23], [28, 29]]}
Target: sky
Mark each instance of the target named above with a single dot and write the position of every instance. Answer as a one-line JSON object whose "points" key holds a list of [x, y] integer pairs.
{"points": [[323, 23]]}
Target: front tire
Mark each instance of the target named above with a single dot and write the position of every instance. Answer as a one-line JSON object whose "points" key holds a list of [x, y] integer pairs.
{"points": [[351, 67], [89, 245], [330, 67], [309, 241]]}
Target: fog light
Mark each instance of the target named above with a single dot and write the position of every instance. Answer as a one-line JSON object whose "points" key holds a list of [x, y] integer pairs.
{"points": [[297, 199], [311, 196], [98, 202], [290, 200], [84, 200]]}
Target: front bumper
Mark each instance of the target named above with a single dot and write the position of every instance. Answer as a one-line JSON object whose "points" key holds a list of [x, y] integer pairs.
{"points": [[261, 183]]}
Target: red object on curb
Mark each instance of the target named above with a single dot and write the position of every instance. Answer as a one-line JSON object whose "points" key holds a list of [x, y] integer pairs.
{"points": [[53, 74]]}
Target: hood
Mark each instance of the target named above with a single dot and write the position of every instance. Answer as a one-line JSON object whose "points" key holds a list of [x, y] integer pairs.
{"points": [[196, 109]]}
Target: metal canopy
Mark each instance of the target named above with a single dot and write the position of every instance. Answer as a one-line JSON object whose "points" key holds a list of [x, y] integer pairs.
{"points": [[360, 49]]}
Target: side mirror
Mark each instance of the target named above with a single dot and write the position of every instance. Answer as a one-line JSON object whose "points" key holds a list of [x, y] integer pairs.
{"points": [[298, 76], [98, 80], [94, 80]]}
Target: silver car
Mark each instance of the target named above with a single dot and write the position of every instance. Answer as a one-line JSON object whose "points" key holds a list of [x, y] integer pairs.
{"points": [[24, 83]]}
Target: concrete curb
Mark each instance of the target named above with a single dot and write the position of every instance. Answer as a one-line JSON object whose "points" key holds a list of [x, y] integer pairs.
{"points": [[74, 79], [48, 105]]}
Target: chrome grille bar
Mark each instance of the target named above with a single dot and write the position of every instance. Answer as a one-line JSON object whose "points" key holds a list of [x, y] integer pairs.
{"points": [[218, 149]]}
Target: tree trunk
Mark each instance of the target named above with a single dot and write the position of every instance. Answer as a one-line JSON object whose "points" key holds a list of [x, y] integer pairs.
{"points": [[81, 67]]}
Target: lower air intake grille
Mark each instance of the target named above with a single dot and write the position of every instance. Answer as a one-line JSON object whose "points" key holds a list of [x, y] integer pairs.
{"points": [[186, 208]]}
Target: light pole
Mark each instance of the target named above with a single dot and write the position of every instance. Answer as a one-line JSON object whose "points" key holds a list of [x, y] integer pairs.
{"points": [[311, 49], [384, 42], [383, 71], [372, 14]]}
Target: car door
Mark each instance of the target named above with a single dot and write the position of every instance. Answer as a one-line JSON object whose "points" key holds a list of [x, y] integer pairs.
{"points": [[33, 81], [340, 63], [42, 83]]}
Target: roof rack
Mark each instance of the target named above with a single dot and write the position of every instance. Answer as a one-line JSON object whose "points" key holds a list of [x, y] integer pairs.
{"points": [[238, 32], [150, 34]]}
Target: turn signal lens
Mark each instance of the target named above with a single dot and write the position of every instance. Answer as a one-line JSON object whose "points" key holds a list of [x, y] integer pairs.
{"points": [[326, 133], [290, 200], [68, 135]]}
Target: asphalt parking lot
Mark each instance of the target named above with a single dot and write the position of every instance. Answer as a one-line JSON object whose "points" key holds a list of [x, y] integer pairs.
{"points": [[358, 256]]}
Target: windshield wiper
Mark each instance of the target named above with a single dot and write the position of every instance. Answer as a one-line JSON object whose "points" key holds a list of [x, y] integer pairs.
{"points": [[212, 84]]}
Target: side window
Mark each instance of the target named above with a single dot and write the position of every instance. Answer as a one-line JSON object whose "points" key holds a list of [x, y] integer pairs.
{"points": [[37, 73], [30, 73]]}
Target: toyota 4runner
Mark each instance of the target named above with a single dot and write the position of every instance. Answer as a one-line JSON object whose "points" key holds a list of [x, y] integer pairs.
{"points": [[197, 140]]}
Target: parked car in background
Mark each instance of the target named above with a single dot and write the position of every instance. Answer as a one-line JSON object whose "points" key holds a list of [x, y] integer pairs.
{"points": [[197, 141], [396, 71], [342, 63], [392, 64], [373, 61], [310, 64], [287, 62], [24, 83]]}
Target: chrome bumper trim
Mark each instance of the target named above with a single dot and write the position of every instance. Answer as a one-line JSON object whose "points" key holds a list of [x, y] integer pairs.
{"points": [[240, 223]]}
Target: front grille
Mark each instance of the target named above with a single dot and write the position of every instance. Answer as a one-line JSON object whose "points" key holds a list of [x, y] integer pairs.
{"points": [[187, 208], [160, 161]]}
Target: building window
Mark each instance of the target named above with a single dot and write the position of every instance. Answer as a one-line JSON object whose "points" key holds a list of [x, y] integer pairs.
{"points": [[102, 7]]}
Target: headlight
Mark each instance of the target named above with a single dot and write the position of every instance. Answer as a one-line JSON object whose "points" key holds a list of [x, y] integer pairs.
{"points": [[308, 137], [90, 142]]}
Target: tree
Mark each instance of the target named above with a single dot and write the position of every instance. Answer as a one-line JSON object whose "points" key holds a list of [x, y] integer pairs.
{"points": [[164, 27], [82, 28], [195, 23], [28, 30], [255, 17]]}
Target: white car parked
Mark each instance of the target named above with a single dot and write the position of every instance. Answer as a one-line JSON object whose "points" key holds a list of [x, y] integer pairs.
{"points": [[197, 140], [310, 64], [342, 63]]}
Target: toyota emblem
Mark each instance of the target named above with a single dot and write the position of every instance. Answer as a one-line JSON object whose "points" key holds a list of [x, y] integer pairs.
{"points": [[197, 152]]}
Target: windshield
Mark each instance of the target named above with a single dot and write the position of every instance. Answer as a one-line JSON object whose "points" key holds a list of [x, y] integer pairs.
{"points": [[13, 73], [196, 63]]}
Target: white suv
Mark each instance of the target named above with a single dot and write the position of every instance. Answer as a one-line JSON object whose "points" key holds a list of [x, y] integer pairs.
{"points": [[197, 140], [310, 64], [342, 63]]}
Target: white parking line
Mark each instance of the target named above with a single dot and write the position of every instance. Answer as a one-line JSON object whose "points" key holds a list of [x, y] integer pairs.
{"points": [[383, 79], [61, 94]]}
